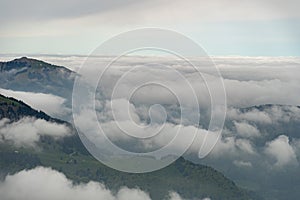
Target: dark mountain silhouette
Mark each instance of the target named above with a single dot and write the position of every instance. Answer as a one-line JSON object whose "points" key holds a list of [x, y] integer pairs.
{"points": [[14, 110]]}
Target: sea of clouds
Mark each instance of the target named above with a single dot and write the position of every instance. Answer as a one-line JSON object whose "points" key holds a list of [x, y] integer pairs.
{"points": [[248, 81], [248, 143]]}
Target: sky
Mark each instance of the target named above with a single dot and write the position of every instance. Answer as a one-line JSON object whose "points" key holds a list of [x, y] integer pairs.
{"points": [[221, 27]]}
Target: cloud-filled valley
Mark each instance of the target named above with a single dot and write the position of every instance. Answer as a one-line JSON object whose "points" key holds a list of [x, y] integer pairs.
{"points": [[150, 100], [261, 130], [248, 82]]}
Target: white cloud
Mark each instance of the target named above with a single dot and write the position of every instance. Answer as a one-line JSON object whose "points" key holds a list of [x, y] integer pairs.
{"points": [[281, 150], [240, 163], [47, 184], [176, 196], [134, 194], [253, 115], [245, 129], [245, 145], [285, 113], [270, 115], [27, 131], [48, 103], [229, 146]]}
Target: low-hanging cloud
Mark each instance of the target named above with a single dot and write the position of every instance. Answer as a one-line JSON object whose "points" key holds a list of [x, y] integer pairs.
{"points": [[253, 115], [240, 163], [245, 129], [49, 103], [281, 150], [27, 131], [48, 184]]}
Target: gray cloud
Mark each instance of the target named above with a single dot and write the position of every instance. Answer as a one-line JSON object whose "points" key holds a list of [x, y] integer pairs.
{"points": [[241, 163], [165, 9], [49, 10]]}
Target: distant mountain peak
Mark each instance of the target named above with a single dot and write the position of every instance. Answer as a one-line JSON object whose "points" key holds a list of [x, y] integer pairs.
{"points": [[32, 75], [25, 62], [24, 58]]}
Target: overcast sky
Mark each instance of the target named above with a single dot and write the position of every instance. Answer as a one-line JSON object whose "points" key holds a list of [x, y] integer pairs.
{"points": [[236, 27]]}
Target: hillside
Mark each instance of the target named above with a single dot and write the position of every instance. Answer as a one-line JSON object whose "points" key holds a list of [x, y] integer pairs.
{"points": [[26, 74], [70, 157], [14, 110]]}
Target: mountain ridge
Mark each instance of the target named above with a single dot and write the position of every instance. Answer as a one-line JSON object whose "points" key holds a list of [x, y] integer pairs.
{"points": [[14, 110], [27, 62], [32, 75]]}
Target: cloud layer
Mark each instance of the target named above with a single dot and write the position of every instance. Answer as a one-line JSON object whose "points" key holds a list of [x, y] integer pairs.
{"points": [[248, 82]]}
